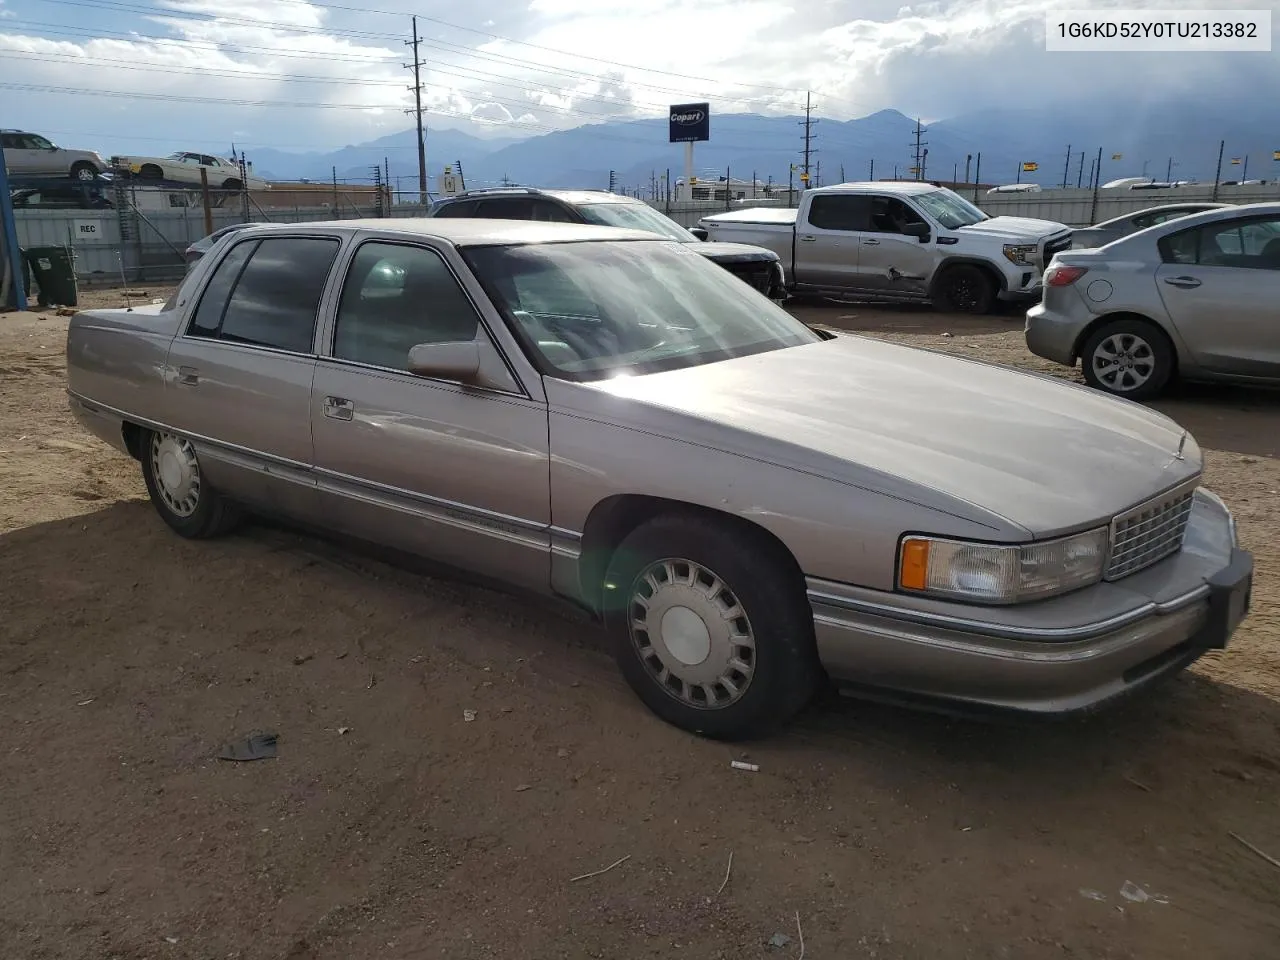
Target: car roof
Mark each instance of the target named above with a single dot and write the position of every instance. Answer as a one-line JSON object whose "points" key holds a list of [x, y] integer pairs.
{"points": [[909, 187], [465, 232], [1197, 205], [568, 196]]}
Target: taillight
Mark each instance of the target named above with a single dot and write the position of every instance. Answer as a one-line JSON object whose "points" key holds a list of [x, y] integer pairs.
{"points": [[1060, 275]]}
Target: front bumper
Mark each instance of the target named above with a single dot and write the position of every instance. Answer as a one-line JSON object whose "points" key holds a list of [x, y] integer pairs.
{"points": [[1057, 656]]}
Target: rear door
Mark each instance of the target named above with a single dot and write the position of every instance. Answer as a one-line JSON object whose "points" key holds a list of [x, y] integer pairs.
{"points": [[826, 250], [505, 208], [238, 377], [1220, 284]]}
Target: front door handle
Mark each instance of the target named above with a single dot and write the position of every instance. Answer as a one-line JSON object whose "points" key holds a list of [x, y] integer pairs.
{"points": [[1186, 283], [807, 239], [871, 243], [188, 375], [336, 408]]}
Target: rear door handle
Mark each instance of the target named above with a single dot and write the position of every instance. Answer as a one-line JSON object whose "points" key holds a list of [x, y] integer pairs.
{"points": [[808, 239], [336, 408], [871, 243], [188, 375], [1186, 283]]}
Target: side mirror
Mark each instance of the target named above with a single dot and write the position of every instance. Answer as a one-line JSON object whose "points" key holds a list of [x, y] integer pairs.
{"points": [[455, 360], [699, 232], [918, 230]]}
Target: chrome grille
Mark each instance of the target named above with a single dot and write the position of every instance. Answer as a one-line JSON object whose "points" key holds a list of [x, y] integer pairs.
{"points": [[1148, 533]]}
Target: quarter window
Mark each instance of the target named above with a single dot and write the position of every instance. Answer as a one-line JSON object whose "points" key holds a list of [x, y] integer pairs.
{"points": [[396, 297], [267, 293]]}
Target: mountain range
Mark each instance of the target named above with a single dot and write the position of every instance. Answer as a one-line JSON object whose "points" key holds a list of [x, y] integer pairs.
{"points": [[1152, 137]]}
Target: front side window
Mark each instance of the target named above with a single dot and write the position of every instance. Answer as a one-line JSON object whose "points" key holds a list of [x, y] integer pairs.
{"points": [[891, 215], [38, 143], [1247, 244], [266, 293], [592, 310], [950, 209], [396, 297]]}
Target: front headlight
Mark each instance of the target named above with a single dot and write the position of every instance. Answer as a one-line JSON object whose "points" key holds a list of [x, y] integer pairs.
{"points": [[987, 573], [1021, 254]]}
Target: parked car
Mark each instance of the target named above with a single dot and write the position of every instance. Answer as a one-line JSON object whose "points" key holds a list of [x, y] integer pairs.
{"points": [[1016, 188], [1100, 234], [31, 155], [83, 195], [202, 246], [904, 242], [602, 415], [1194, 298], [760, 267], [184, 167]]}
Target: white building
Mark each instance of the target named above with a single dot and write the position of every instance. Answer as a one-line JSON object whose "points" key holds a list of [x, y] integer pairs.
{"points": [[715, 188]]}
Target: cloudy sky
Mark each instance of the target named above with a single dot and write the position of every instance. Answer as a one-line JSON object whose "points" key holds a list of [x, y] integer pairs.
{"points": [[159, 75]]}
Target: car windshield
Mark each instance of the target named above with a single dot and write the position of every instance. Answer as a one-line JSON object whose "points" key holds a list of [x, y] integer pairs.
{"points": [[950, 209], [635, 216], [592, 310]]}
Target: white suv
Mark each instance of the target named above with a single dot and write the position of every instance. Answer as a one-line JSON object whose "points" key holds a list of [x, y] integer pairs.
{"points": [[31, 155]]}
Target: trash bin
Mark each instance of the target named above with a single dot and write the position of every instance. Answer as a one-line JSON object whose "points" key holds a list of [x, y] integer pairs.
{"points": [[54, 269], [11, 293]]}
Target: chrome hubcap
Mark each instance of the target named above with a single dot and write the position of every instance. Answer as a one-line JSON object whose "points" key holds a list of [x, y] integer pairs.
{"points": [[1124, 361], [176, 473], [692, 634]]}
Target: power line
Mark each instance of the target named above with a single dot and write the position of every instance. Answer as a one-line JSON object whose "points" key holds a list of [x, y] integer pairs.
{"points": [[807, 123]]}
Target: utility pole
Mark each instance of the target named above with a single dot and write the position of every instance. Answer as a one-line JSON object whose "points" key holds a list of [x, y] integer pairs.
{"points": [[807, 123], [920, 156], [1080, 172], [417, 112], [1066, 169], [462, 177], [1217, 173], [1168, 172]]}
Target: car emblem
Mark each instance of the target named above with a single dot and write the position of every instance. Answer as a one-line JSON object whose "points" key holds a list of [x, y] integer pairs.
{"points": [[1179, 453]]}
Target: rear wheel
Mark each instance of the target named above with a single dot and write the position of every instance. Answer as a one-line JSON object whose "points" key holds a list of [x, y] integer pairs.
{"points": [[231, 185], [150, 171], [964, 288], [83, 170], [1128, 358], [710, 628], [178, 490]]}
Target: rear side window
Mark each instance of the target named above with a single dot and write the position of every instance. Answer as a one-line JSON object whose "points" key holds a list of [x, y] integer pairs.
{"points": [[1180, 247], [836, 212], [506, 208], [266, 293]]}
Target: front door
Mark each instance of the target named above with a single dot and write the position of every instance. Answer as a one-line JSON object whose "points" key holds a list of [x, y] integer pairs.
{"points": [[238, 377], [454, 472], [890, 262], [1220, 284], [826, 251]]}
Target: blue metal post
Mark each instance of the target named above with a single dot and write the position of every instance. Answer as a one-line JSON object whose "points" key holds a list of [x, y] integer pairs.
{"points": [[9, 233]]}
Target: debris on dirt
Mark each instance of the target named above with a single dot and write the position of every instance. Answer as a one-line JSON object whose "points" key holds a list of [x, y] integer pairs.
{"points": [[170, 939], [343, 655], [1249, 846], [256, 746], [727, 870], [85, 703], [343, 731], [596, 873], [372, 681], [522, 787], [945, 334], [1141, 786], [749, 767], [417, 659], [1135, 894], [1092, 894], [800, 934], [300, 660], [779, 940], [562, 754], [468, 716]]}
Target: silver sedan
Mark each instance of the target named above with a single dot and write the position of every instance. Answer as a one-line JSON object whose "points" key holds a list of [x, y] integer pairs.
{"points": [[1194, 298], [1100, 234]]}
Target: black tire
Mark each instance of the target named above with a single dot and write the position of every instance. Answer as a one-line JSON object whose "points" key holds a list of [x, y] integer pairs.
{"points": [[1145, 350], [212, 514], [84, 170], [150, 171], [757, 581], [964, 288], [232, 185]]}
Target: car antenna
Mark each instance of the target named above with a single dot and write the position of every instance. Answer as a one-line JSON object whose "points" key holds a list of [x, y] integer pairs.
{"points": [[124, 283]]}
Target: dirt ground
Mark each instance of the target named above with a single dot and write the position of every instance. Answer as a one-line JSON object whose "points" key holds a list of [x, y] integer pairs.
{"points": [[391, 826]]}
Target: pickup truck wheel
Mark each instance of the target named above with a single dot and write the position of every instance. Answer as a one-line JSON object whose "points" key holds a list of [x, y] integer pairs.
{"points": [[964, 288], [710, 628], [83, 170], [1128, 358], [182, 497]]}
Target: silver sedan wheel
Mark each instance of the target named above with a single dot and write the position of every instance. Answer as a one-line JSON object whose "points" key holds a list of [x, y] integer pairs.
{"points": [[176, 473], [1123, 362], [692, 634]]}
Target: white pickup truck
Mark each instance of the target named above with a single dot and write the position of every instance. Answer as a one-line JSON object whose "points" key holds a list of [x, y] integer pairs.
{"points": [[903, 242]]}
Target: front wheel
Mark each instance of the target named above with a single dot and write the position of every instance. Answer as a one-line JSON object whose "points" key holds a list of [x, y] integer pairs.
{"points": [[1128, 358], [84, 170], [964, 288], [711, 627], [178, 490], [232, 185]]}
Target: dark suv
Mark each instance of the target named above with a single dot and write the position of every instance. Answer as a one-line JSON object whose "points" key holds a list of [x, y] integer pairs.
{"points": [[756, 266]]}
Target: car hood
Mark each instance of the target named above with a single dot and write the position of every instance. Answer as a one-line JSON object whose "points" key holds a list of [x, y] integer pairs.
{"points": [[722, 252], [970, 438], [1013, 229]]}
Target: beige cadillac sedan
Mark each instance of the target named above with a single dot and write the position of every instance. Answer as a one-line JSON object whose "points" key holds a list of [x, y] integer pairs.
{"points": [[748, 505]]}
